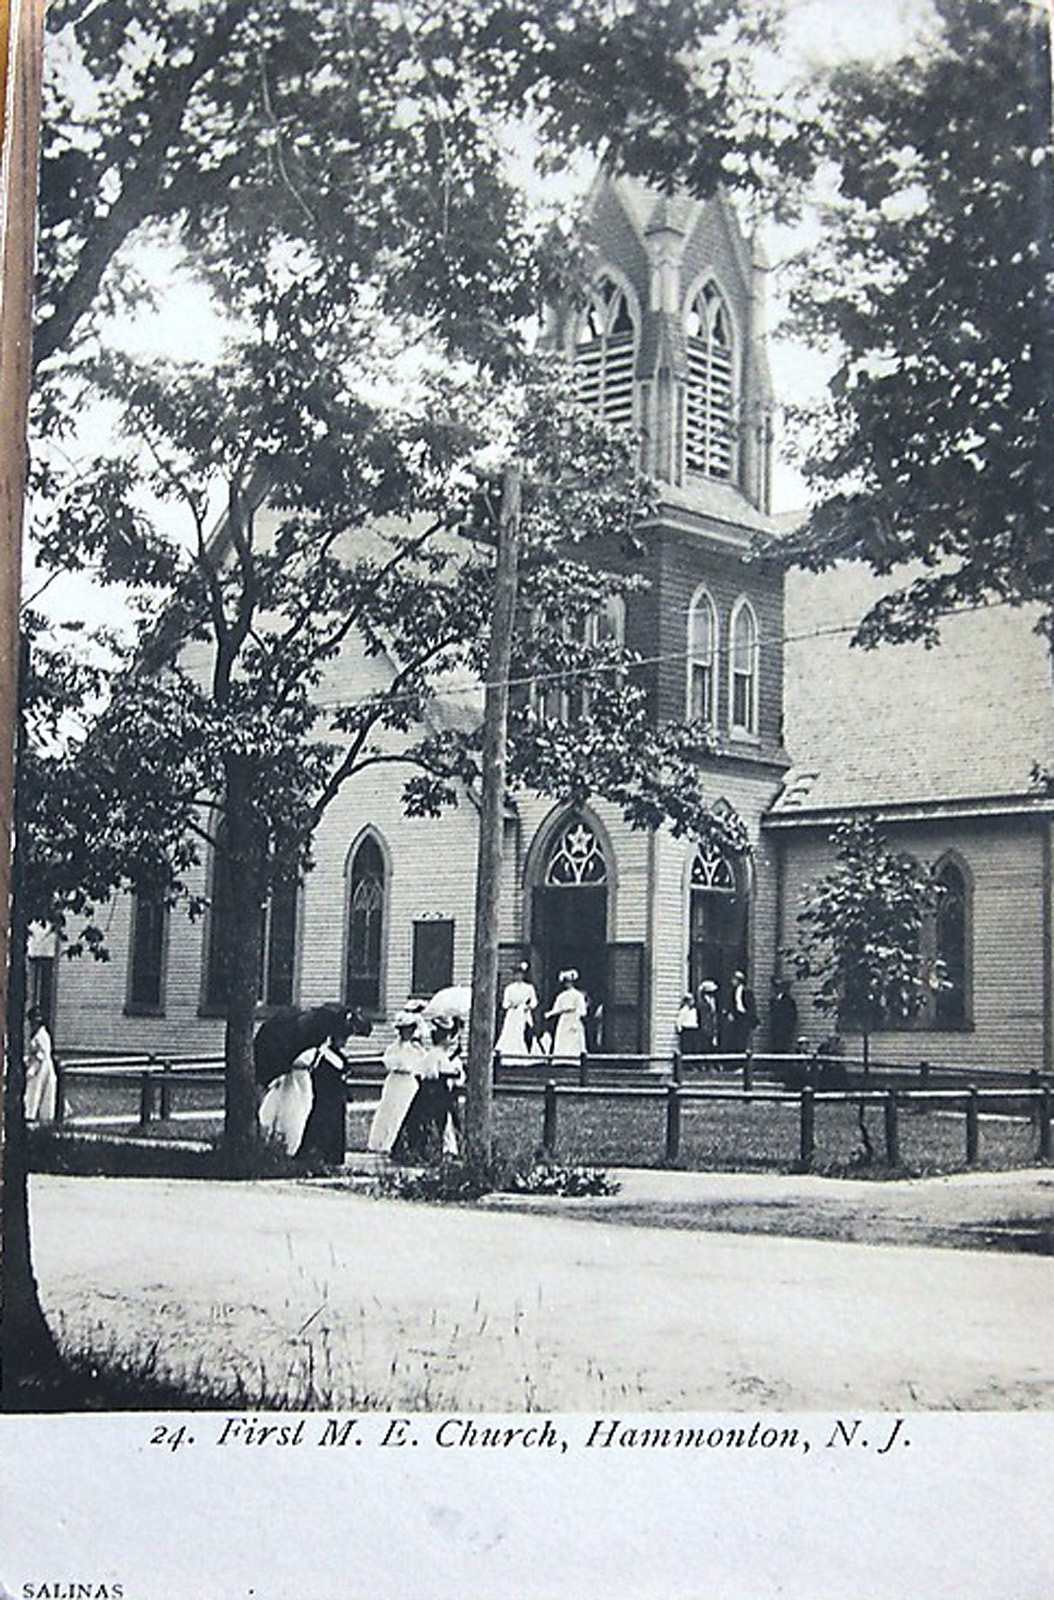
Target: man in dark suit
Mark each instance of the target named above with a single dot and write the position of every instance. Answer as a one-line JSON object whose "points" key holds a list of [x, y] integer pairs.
{"points": [[741, 1018]]}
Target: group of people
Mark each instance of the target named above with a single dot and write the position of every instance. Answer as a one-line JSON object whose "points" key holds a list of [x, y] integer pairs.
{"points": [[708, 1023], [561, 1033], [417, 1114], [299, 1064]]}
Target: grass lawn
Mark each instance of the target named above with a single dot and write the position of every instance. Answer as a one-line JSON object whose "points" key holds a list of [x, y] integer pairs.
{"points": [[733, 1135]]}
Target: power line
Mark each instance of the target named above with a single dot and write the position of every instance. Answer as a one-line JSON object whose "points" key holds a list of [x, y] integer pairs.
{"points": [[626, 667]]}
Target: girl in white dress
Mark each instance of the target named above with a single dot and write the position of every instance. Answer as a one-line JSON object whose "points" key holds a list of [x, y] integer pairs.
{"points": [[519, 1001], [404, 1062], [569, 1009]]}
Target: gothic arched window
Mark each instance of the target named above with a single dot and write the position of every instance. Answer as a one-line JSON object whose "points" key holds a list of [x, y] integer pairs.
{"points": [[605, 349], [710, 431], [577, 859], [717, 921], [365, 940], [743, 669], [702, 659]]}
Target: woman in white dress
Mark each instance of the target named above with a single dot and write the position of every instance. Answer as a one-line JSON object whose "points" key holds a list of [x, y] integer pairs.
{"points": [[404, 1061], [287, 1104], [41, 1081], [519, 1002], [569, 1010]]}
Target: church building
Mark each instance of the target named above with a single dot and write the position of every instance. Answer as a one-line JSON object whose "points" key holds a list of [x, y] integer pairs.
{"points": [[938, 743]]}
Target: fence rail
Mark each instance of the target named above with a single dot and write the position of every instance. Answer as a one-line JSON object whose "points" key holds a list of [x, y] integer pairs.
{"points": [[634, 1080]]}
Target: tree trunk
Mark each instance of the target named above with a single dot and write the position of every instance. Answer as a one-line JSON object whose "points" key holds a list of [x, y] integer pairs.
{"points": [[479, 1100], [29, 1358], [243, 937]]}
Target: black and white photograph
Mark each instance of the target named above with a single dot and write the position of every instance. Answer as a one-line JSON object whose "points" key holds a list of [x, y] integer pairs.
{"points": [[529, 650]]}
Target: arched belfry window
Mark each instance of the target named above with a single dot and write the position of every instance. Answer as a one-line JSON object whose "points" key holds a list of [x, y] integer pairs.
{"points": [[702, 659], [365, 941], [605, 350], [577, 859], [743, 669], [710, 430]]}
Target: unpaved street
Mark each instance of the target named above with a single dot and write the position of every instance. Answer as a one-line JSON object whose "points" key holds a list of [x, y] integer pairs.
{"points": [[356, 1302]]}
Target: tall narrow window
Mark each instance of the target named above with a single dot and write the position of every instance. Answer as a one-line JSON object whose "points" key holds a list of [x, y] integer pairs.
{"points": [[278, 922], [951, 948], [604, 354], [278, 956], [568, 700], [362, 984], [702, 660], [743, 709], [146, 977], [710, 433]]}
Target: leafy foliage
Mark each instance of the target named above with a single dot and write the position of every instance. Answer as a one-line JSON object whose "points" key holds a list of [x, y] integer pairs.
{"points": [[933, 281], [862, 931], [462, 1179]]}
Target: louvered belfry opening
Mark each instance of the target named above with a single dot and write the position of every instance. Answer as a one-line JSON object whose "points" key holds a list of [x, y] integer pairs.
{"points": [[710, 431], [604, 354]]}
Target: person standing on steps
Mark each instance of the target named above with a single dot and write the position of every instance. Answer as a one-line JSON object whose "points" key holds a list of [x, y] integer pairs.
{"points": [[742, 1015], [519, 1003], [569, 1010]]}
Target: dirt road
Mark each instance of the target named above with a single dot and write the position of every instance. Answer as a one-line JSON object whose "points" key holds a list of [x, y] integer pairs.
{"points": [[344, 1300]]}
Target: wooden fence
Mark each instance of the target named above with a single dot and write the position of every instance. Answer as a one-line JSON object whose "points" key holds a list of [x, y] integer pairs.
{"points": [[639, 1080]]}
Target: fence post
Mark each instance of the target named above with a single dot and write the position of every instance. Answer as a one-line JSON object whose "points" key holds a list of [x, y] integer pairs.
{"points": [[924, 1074], [1033, 1104], [678, 1067], [1044, 1125], [808, 1126], [972, 1126], [583, 1069], [60, 1092], [166, 1091], [748, 1072], [892, 1129], [549, 1119], [673, 1122], [146, 1098]]}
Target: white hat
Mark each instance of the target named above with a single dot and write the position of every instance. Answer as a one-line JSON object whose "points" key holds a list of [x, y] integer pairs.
{"points": [[569, 975], [406, 1018]]}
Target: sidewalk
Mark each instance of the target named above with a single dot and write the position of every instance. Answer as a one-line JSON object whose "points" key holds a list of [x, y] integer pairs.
{"points": [[1001, 1210]]}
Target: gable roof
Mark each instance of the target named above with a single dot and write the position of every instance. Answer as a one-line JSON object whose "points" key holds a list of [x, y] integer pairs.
{"points": [[903, 726]]}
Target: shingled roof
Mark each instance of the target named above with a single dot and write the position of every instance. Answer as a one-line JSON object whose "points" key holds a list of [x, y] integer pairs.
{"points": [[902, 726]]}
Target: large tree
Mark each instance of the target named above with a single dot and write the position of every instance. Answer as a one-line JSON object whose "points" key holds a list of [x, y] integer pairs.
{"points": [[348, 532], [932, 283], [363, 150]]}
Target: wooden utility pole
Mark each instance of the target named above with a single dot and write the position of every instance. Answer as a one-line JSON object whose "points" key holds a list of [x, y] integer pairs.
{"points": [[479, 1094]]}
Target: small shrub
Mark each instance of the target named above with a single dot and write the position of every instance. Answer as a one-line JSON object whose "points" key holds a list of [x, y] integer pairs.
{"points": [[468, 1178]]}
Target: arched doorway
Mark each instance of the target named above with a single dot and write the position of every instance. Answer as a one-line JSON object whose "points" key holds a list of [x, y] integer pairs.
{"points": [[570, 913], [718, 904]]}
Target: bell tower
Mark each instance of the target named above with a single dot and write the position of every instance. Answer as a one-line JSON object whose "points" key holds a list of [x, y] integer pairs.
{"points": [[672, 341]]}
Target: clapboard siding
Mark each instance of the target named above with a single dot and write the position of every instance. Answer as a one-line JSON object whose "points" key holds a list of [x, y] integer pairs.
{"points": [[687, 562], [1007, 863]]}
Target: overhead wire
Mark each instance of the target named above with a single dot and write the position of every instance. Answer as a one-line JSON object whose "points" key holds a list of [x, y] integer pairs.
{"points": [[624, 667]]}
